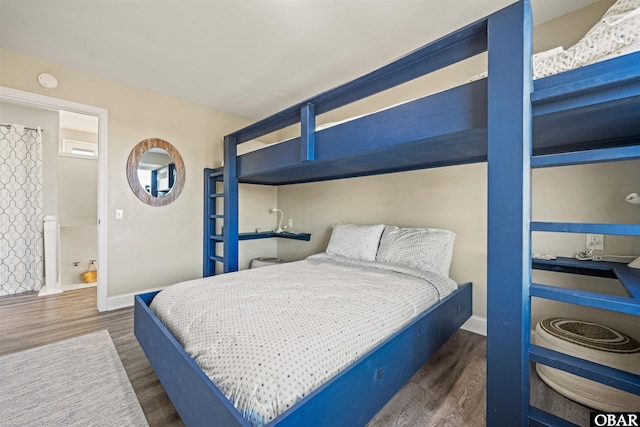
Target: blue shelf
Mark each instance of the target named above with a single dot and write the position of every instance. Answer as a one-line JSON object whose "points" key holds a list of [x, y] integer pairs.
{"points": [[540, 418], [622, 380], [267, 235], [628, 277]]}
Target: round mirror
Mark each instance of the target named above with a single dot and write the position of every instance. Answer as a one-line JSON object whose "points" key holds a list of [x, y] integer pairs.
{"points": [[155, 172]]}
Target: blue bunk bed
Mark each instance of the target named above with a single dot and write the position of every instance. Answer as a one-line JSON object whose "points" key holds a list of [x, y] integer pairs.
{"points": [[587, 115]]}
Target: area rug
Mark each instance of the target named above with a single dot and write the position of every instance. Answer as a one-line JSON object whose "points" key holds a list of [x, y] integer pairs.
{"points": [[76, 382]]}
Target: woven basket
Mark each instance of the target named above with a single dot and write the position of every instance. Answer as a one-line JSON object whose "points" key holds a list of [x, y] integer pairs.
{"points": [[263, 262], [90, 276], [594, 342]]}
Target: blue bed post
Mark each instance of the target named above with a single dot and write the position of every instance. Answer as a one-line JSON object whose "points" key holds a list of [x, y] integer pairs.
{"points": [[307, 132], [230, 179], [509, 200]]}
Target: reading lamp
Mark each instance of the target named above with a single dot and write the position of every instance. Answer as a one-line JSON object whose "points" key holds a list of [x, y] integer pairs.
{"points": [[634, 199], [276, 210]]}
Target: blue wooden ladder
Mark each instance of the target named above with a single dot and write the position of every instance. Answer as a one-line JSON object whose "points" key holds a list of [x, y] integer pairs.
{"points": [[213, 221], [511, 106], [220, 230], [631, 305]]}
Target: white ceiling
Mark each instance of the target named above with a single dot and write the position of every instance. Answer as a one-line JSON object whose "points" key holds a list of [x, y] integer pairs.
{"points": [[250, 58]]}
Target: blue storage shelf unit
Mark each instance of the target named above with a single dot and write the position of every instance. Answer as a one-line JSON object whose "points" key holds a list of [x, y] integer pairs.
{"points": [[587, 115], [214, 221]]}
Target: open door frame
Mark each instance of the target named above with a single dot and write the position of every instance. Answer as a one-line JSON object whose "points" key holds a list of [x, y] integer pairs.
{"points": [[20, 97]]}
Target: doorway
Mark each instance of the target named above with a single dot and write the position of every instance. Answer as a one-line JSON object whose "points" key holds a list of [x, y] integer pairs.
{"points": [[77, 184], [46, 103]]}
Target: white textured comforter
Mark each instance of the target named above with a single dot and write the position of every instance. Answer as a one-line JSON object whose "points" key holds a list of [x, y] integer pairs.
{"points": [[267, 337]]}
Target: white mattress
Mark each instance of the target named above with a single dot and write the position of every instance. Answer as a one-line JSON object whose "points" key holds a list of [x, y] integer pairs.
{"points": [[268, 337]]}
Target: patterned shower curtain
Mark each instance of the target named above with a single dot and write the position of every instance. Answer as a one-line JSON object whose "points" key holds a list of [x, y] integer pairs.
{"points": [[21, 215]]}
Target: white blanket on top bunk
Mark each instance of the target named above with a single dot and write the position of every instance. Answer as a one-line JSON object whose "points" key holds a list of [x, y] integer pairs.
{"points": [[267, 337], [617, 33]]}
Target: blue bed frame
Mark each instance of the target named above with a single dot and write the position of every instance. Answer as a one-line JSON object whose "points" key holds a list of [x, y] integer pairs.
{"points": [[581, 116], [374, 378]]}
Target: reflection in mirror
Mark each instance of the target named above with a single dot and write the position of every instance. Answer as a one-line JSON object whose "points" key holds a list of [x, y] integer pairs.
{"points": [[157, 172]]}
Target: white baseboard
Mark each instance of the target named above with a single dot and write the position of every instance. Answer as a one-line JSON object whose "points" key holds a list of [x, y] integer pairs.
{"points": [[73, 287], [476, 324], [44, 292], [126, 300]]}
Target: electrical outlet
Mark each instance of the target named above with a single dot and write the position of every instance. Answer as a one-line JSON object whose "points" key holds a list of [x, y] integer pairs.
{"points": [[595, 241], [290, 223]]}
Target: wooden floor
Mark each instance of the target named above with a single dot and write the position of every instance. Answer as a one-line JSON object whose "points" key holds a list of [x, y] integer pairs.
{"points": [[448, 391]]}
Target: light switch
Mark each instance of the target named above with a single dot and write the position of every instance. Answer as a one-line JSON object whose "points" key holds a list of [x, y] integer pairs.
{"points": [[119, 214]]}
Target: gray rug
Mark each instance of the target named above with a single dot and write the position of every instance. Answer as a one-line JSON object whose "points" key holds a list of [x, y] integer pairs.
{"points": [[76, 382]]}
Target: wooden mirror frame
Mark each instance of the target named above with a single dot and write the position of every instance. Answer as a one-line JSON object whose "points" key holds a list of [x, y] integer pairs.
{"points": [[132, 172]]}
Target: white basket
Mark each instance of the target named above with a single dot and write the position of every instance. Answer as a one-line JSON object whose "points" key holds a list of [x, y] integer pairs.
{"points": [[263, 262]]}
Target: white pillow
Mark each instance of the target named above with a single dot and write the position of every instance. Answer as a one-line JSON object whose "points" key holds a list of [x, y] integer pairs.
{"points": [[428, 249], [355, 241]]}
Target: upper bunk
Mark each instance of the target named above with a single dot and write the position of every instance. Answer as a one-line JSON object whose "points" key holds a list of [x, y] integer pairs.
{"points": [[596, 106]]}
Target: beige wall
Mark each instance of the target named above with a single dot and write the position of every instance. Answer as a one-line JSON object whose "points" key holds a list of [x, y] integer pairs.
{"points": [[77, 183], [566, 30], [152, 246], [452, 197], [78, 135], [77, 189], [78, 218], [456, 197], [78, 202]]}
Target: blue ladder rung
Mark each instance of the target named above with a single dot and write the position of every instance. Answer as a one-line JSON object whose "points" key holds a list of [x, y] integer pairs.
{"points": [[584, 157], [215, 195], [216, 216], [607, 85], [606, 375], [216, 237], [216, 173], [569, 227], [216, 258], [587, 299], [538, 417]]}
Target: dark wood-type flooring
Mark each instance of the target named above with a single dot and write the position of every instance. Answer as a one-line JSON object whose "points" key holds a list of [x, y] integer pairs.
{"points": [[449, 390]]}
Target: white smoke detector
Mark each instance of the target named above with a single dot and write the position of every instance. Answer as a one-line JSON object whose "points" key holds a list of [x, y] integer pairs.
{"points": [[47, 80]]}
